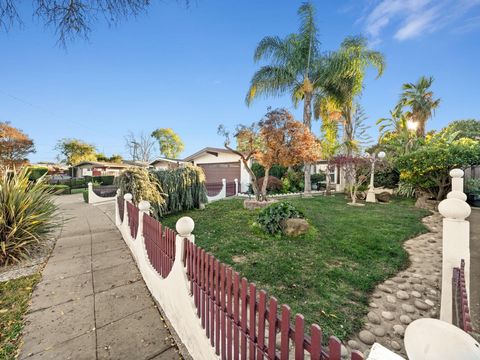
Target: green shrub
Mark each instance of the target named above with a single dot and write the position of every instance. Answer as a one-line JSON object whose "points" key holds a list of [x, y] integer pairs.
{"points": [[386, 176], [27, 215], [184, 188], [105, 180], [78, 183], [272, 217], [258, 170], [317, 179], [168, 191], [59, 189], [85, 195], [293, 181], [276, 170], [472, 186], [36, 172]]}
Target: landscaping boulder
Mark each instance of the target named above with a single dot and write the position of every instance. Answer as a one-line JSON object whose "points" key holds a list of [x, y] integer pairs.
{"points": [[295, 227], [252, 204], [384, 197]]}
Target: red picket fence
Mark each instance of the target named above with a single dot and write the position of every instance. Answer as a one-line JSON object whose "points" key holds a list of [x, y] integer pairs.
{"points": [[120, 206], [160, 245], [214, 189], [132, 212], [461, 311], [241, 324]]}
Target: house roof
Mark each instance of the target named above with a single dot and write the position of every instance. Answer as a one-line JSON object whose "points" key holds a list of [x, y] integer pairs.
{"points": [[209, 150], [165, 159], [102, 164]]}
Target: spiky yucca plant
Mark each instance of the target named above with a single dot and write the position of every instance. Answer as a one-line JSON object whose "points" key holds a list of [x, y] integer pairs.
{"points": [[27, 215]]}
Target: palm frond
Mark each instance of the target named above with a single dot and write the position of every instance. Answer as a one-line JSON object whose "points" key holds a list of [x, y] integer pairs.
{"points": [[270, 81]]}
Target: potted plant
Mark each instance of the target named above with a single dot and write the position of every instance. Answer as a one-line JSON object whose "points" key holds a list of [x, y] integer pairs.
{"points": [[472, 189]]}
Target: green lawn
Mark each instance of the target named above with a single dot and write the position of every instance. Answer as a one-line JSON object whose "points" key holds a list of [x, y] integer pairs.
{"points": [[327, 274], [14, 297]]}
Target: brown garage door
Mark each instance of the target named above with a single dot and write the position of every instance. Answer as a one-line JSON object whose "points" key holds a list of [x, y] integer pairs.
{"points": [[214, 173]]}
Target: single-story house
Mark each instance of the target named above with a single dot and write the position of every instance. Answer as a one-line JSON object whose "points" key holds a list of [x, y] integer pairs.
{"points": [[97, 168], [218, 164], [163, 163]]}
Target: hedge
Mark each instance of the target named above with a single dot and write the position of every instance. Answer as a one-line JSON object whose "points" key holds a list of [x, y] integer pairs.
{"points": [[36, 172]]}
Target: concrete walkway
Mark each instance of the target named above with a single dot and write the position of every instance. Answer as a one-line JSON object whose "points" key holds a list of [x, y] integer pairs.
{"points": [[475, 268], [92, 302]]}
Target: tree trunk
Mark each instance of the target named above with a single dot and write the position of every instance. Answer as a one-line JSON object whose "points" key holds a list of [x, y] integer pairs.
{"points": [[307, 120], [421, 129], [348, 139], [265, 183], [327, 179], [253, 180]]}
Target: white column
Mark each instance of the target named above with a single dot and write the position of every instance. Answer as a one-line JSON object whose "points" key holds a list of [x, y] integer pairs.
{"points": [[144, 208], [236, 186], [184, 227], [117, 210], [90, 192], [456, 246], [457, 185]]}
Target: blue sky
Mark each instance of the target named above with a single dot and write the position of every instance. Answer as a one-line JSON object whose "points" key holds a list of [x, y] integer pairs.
{"points": [[189, 68]]}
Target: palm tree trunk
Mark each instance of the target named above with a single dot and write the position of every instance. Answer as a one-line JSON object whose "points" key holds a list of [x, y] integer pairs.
{"points": [[348, 138], [421, 128], [307, 120]]}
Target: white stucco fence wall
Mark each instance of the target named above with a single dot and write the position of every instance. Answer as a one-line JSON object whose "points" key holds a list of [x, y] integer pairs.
{"points": [[173, 292], [95, 199]]}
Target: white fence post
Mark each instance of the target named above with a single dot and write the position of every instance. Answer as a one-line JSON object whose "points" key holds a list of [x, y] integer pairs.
{"points": [[144, 208], [118, 221], [236, 186], [456, 241]]}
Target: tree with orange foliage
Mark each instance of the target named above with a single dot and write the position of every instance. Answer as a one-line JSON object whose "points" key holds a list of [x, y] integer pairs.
{"points": [[15, 146], [286, 142], [276, 139]]}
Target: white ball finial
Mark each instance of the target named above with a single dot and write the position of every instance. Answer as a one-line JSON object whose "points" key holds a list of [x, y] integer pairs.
{"points": [[457, 195], [144, 206], [128, 197], [381, 154], [185, 226], [456, 173], [455, 209]]}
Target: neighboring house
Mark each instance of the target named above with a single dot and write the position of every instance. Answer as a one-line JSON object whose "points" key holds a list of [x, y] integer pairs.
{"points": [[166, 163], [97, 168], [336, 175], [218, 164]]}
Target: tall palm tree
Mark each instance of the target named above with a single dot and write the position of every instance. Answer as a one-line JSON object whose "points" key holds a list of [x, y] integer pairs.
{"points": [[395, 130], [419, 98], [342, 79], [294, 69], [342, 82]]}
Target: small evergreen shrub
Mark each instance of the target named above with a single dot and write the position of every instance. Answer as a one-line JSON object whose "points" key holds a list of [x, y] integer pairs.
{"points": [[27, 215], [168, 191], [271, 218], [85, 195]]}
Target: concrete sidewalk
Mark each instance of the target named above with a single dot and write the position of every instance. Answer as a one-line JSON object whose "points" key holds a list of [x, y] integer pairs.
{"points": [[92, 302]]}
